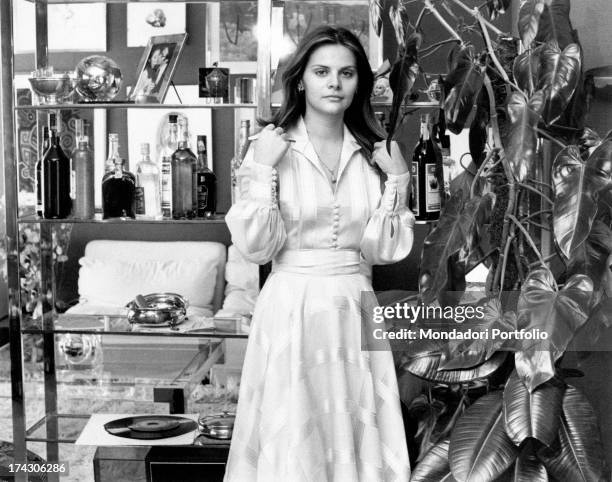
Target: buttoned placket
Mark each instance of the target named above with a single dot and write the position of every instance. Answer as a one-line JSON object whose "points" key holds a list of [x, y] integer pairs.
{"points": [[335, 224]]}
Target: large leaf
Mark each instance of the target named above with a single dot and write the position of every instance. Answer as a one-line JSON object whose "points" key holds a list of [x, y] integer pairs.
{"points": [[463, 85], [529, 20], [376, 9], [480, 449], [524, 117], [590, 257], [434, 467], [479, 129], [559, 75], [497, 7], [555, 24], [532, 414], [580, 456], [459, 227], [398, 14], [526, 69], [558, 313], [578, 187], [402, 78], [528, 467]]}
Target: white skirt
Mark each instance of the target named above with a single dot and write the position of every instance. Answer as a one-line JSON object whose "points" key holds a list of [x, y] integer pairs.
{"points": [[312, 405]]}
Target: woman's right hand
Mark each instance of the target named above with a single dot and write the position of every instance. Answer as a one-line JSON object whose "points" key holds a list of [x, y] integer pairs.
{"points": [[271, 146]]}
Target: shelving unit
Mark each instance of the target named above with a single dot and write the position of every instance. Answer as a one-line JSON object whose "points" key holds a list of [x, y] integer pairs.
{"points": [[50, 427]]}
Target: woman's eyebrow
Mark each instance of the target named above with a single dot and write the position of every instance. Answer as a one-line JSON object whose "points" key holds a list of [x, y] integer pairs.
{"points": [[327, 66]]}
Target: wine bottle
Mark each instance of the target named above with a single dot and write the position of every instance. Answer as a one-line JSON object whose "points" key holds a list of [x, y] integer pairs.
{"points": [[118, 188], [425, 195], [56, 181], [83, 169], [148, 196], [168, 148], [236, 162], [183, 166], [206, 182], [39, 172]]}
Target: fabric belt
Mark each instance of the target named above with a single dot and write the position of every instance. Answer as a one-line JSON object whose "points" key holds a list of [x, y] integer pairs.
{"points": [[322, 262]]}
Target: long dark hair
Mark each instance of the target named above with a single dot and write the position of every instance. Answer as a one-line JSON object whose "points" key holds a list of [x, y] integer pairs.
{"points": [[359, 117]]}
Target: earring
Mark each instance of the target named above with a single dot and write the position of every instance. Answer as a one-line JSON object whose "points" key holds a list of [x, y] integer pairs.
{"points": [[300, 87]]}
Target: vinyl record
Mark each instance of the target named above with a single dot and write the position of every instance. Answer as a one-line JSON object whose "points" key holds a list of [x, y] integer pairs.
{"points": [[150, 427]]}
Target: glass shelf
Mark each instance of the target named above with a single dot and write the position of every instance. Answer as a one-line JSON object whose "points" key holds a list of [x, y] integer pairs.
{"points": [[69, 428], [132, 105], [118, 325], [217, 219]]}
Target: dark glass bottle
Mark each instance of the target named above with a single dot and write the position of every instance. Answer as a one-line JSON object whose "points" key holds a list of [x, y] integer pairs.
{"points": [[118, 187], [183, 168], [425, 195], [56, 181], [39, 171], [206, 182]]}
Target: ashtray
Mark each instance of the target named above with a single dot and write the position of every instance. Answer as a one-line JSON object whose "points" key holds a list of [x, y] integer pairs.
{"points": [[52, 87], [157, 310], [219, 426]]}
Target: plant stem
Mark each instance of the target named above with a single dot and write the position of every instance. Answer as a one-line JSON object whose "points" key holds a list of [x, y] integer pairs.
{"points": [[550, 138], [512, 197], [429, 6], [528, 238], [420, 18], [479, 172], [483, 259], [537, 213], [493, 113], [504, 264], [437, 45], [533, 189], [476, 13]]}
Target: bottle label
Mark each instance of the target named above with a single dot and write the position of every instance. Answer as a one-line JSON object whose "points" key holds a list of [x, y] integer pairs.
{"points": [[202, 193], [414, 193], [39, 190], [139, 200], [166, 182], [432, 189], [72, 184]]}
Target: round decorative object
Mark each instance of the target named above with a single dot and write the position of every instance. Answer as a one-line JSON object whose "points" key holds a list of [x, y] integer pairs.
{"points": [[98, 78], [219, 426], [157, 309], [78, 348]]}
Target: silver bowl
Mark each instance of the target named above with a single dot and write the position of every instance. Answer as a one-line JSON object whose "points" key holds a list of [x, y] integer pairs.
{"points": [[163, 309], [219, 426], [52, 89]]}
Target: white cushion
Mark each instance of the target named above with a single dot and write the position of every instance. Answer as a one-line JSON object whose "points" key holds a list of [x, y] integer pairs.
{"points": [[114, 272]]}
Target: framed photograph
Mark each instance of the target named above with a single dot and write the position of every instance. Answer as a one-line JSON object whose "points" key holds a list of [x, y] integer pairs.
{"points": [[156, 67], [86, 35], [151, 19], [151, 125]]}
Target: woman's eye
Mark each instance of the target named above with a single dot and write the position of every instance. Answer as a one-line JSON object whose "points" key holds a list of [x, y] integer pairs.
{"points": [[320, 72], [348, 73]]}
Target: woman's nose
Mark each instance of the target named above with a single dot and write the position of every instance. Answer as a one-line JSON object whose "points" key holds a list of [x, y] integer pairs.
{"points": [[334, 81]]}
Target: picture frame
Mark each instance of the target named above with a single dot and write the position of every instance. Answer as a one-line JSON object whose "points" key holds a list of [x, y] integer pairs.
{"points": [[156, 67], [148, 19]]}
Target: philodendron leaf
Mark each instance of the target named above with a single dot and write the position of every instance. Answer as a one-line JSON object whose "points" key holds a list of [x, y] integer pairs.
{"points": [[532, 414], [434, 467], [555, 24], [558, 313], [524, 117], [402, 78], [526, 69], [529, 20], [590, 257], [376, 9], [479, 447], [528, 468], [559, 75], [579, 456], [398, 14], [577, 187], [463, 84], [459, 227], [497, 7]]}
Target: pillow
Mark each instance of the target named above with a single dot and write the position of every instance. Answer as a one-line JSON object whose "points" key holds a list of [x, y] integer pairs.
{"points": [[113, 282]]}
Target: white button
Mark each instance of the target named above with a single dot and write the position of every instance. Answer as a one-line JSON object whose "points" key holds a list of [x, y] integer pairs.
{"points": [[336, 217], [334, 237], [335, 245], [336, 224]]}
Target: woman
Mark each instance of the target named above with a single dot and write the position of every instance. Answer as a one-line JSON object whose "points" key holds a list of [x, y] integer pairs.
{"points": [[313, 406]]}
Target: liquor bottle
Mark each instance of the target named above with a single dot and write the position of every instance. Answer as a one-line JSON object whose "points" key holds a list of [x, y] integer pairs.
{"points": [[56, 181], [147, 196], [168, 148], [206, 182], [183, 166], [184, 135], [236, 162], [113, 153], [83, 181], [39, 172], [425, 195], [118, 188]]}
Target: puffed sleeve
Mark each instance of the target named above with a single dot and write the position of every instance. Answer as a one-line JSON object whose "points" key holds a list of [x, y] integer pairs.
{"points": [[255, 221], [389, 234]]}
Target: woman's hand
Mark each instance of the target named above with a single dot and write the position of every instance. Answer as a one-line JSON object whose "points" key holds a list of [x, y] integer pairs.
{"points": [[390, 164], [271, 145]]}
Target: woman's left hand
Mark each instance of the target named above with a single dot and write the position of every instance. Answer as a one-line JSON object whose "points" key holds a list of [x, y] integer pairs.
{"points": [[390, 164]]}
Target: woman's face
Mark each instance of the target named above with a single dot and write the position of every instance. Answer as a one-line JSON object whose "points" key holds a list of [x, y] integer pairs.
{"points": [[330, 79]]}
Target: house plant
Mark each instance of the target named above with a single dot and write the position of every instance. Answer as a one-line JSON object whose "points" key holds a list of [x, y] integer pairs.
{"points": [[505, 410]]}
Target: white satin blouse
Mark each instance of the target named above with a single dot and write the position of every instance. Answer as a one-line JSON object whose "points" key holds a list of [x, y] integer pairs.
{"points": [[295, 206]]}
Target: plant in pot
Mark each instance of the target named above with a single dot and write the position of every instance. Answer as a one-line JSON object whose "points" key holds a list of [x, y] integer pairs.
{"points": [[535, 206]]}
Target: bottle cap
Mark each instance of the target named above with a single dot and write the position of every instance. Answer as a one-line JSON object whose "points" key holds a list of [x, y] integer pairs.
{"points": [[145, 149], [172, 118], [84, 140], [113, 136], [245, 123], [182, 144]]}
